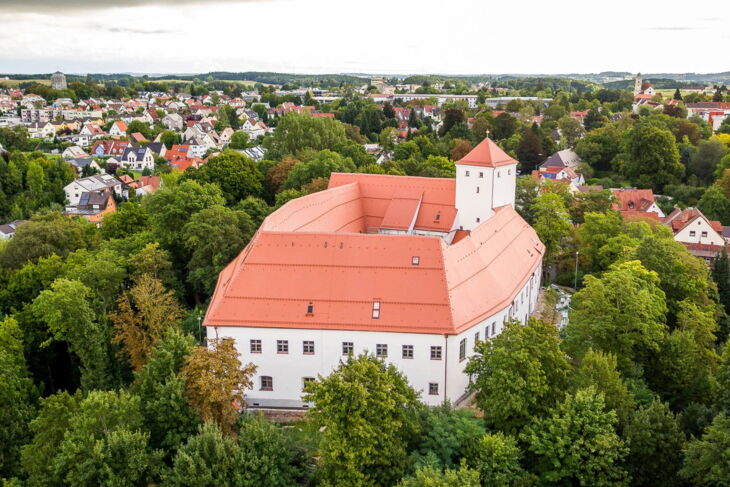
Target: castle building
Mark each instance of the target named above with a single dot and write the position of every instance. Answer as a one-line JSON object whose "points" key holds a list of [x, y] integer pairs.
{"points": [[58, 81], [414, 270]]}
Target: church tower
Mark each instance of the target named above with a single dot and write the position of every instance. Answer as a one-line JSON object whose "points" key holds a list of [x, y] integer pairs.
{"points": [[637, 84], [485, 179]]}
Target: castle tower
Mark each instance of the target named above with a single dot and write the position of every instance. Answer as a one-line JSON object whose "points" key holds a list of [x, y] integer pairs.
{"points": [[637, 84], [485, 179]]}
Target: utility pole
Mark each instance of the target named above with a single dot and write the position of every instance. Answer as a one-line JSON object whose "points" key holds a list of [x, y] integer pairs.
{"points": [[575, 281]]}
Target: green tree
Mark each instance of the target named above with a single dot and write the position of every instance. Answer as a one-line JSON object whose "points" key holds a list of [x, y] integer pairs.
{"points": [[295, 132], [236, 174], [707, 459], [577, 444], [706, 157], [599, 147], [622, 313], [130, 218], [552, 222], [599, 370], [649, 157], [239, 141], [46, 235], [715, 205], [169, 138], [66, 310], [213, 237], [172, 206], [655, 443], [527, 189], [497, 459], [519, 374], [368, 411], [103, 445], [447, 434], [431, 476], [571, 129], [18, 398], [166, 413], [208, 459], [321, 165], [529, 151], [48, 429], [504, 126]]}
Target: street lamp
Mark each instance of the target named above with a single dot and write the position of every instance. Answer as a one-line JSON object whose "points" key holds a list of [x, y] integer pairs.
{"points": [[575, 281]]}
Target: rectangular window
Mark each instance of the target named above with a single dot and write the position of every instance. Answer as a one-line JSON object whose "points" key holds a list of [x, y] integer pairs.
{"points": [[347, 348], [499, 175], [509, 171], [407, 351], [494, 328], [267, 383], [306, 380], [376, 310], [255, 346], [476, 338], [308, 347], [462, 349], [381, 350], [436, 353], [466, 173], [282, 346], [433, 388], [704, 234], [481, 174], [477, 189], [692, 233], [415, 260]]}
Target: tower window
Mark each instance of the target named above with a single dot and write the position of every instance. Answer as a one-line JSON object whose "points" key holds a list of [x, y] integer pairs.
{"points": [[477, 189], [481, 174], [509, 171], [462, 350], [478, 219], [499, 175], [466, 173], [376, 310]]}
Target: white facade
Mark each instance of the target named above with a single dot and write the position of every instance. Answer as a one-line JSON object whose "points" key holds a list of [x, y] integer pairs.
{"points": [[289, 370], [699, 230], [480, 189]]}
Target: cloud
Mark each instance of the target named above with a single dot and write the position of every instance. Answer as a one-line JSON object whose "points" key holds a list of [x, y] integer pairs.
{"points": [[69, 6], [670, 29]]}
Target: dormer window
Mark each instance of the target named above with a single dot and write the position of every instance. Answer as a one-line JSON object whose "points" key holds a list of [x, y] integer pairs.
{"points": [[631, 205], [415, 260], [376, 310], [438, 216]]}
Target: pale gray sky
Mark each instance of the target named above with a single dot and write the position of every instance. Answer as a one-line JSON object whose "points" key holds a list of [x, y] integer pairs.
{"points": [[377, 36]]}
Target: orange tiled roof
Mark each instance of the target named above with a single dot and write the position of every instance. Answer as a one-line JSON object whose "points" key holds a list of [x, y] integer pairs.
{"points": [[316, 249], [487, 154]]}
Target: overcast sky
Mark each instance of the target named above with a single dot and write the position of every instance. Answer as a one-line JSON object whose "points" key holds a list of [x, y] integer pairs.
{"points": [[377, 36]]}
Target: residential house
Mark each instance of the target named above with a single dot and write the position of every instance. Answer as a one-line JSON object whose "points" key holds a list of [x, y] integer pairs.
{"points": [[41, 130], [632, 202], [7, 230], [93, 130], [80, 163], [702, 237], [253, 128], [109, 148], [73, 152], [96, 183], [138, 159], [93, 205], [563, 158], [173, 121], [118, 129]]}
